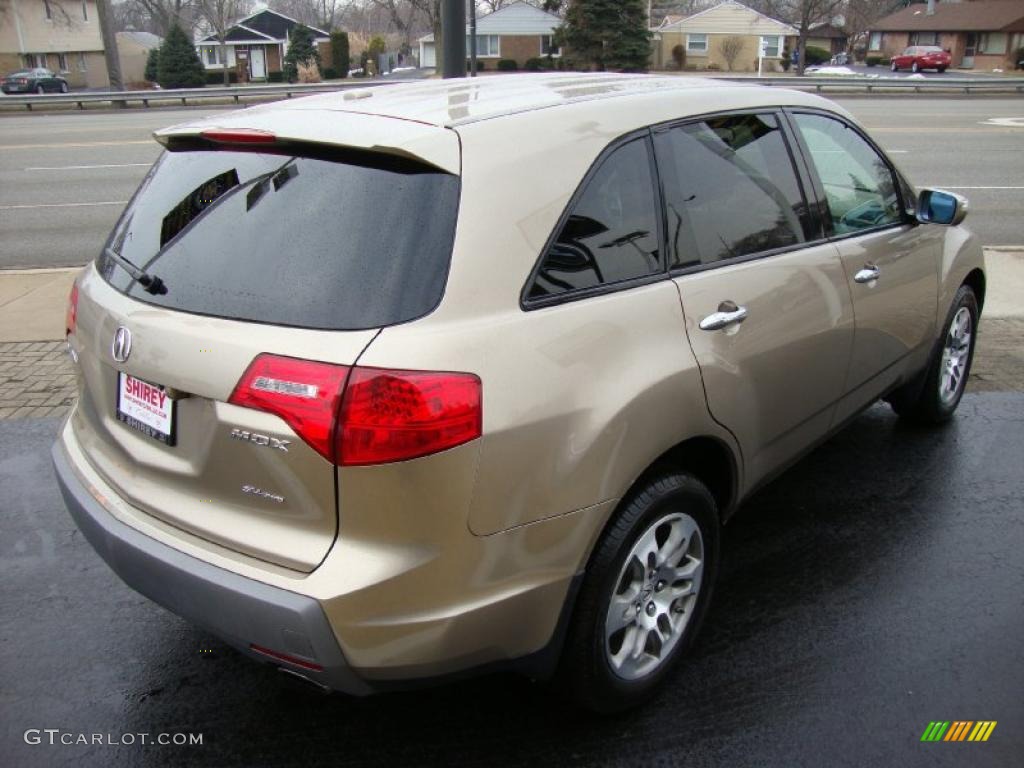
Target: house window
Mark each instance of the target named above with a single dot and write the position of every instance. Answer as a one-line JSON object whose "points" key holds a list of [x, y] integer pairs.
{"points": [[85, 11], [992, 42], [46, 7], [35, 60], [82, 66], [696, 43], [875, 43], [771, 46], [213, 55], [62, 62], [548, 48], [486, 45], [924, 38]]}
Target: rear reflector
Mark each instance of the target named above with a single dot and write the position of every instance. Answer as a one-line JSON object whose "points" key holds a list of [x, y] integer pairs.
{"points": [[285, 658], [71, 316], [378, 416], [239, 136]]}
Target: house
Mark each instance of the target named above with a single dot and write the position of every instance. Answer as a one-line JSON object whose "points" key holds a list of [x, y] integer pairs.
{"points": [[984, 34], [829, 36], [706, 37], [256, 45], [61, 35], [132, 53], [518, 31]]}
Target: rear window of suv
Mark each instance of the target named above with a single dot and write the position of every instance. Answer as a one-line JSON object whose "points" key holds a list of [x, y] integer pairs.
{"points": [[349, 243]]}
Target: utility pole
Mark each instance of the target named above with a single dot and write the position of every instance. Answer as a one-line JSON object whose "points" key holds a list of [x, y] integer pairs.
{"points": [[472, 38], [453, 38], [110, 45]]}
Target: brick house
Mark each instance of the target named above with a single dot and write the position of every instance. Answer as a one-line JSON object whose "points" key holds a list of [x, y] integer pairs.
{"points": [[518, 31], [60, 35], [256, 45], [983, 34]]}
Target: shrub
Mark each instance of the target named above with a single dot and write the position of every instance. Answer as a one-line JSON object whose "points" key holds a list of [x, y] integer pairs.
{"points": [[873, 61], [179, 65], [712, 67], [308, 73], [787, 58], [690, 67], [339, 54], [479, 65], [275, 77], [1018, 58], [301, 50], [507, 65], [330, 73], [216, 77], [815, 55], [152, 64], [679, 55], [534, 65]]}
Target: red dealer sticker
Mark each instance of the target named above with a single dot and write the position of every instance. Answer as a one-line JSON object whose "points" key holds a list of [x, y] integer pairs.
{"points": [[145, 407]]}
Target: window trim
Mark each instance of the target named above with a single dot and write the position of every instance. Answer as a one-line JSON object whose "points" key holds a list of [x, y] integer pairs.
{"points": [[702, 51], [803, 178], [819, 190], [528, 303], [556, 51]]}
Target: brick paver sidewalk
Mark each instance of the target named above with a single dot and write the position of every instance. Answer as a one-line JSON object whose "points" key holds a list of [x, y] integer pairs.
{"points": [[37, 379]]}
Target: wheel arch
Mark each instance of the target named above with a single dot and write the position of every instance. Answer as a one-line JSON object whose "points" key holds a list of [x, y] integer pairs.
{"points": [[976, 280]]}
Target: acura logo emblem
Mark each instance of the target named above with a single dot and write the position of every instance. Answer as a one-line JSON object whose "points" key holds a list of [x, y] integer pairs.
{"points": [[122, 346]]}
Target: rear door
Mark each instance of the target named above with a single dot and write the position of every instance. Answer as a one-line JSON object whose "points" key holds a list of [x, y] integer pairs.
{"points": [[297, 256], [890, 262], [766, 303]]}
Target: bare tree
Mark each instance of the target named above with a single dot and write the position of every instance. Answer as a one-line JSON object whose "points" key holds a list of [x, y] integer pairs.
{"points": [[221, 15], [110, 45], [402, 13], [730, 47], [323, 14], [860, 15], [156, 16], [803, 14]]}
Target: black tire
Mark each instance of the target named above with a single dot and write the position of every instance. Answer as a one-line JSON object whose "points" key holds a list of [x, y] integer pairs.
{"points": [[586, 672], [921, 401], [941, 70]]}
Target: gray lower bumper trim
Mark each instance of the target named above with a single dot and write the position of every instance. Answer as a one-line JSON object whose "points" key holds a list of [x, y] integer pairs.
{"points": [[237, 609]]}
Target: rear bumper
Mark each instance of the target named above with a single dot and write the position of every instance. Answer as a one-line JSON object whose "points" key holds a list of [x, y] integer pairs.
{"points": [[240, 610]]}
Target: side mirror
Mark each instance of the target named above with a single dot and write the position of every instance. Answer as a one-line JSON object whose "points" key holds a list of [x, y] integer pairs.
{"points": [[934, 206]]}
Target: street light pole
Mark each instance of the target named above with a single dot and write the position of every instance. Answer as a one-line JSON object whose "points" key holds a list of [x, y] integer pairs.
{"points": [[453, 38], [472, 38]]}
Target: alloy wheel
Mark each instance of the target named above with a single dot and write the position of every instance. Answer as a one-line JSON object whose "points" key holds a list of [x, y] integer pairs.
{"points": [[654, 596], [955, 355]]}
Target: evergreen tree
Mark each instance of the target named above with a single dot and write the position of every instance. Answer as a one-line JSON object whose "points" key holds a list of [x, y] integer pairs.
{"points": [[339, 52], [607, 34], [152, 65], [178, 65], [301, 50]]}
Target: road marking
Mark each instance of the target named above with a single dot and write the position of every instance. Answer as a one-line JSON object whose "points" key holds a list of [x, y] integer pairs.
{"points": [[76, 144], [890, 151], [1006, 122], [88, 167], [954, 186], [60, 205]]}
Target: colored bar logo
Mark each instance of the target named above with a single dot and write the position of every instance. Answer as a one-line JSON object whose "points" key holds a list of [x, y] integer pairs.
{"points": [[958, 730]]}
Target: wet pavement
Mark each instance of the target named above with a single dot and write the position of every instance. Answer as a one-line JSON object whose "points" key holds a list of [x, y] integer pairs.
{"points": [[875, 587]]}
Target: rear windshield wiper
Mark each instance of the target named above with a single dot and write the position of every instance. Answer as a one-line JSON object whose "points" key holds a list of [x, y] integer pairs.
{"points": [[151, 283]]}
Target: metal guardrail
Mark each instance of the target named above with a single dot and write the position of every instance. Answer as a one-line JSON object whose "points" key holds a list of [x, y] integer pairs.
{"points": [[184, 95], [820, 84]]}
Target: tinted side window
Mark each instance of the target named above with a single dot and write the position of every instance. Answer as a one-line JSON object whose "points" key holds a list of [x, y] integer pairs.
{"points": [[611, 233], [730, 189], [858, 183]]}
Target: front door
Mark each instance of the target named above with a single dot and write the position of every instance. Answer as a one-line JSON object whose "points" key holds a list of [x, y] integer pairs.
{"points": [[890, 262], [257, 63], [765, 298], [970, 49]]}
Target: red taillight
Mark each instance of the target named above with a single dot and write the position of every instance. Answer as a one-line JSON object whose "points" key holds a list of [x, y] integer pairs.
{"points": [[383, 416], [306, 394], [285, 657], [396, 415], [71, 316], [239, 135]]}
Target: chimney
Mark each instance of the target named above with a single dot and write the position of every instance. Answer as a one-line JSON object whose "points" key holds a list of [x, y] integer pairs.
{"points": [[931, 8]]}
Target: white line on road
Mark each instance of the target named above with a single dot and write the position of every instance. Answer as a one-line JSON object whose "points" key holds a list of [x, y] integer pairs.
{"points": [[897, 151], [954, 186], [88, 167], [60, 205]]}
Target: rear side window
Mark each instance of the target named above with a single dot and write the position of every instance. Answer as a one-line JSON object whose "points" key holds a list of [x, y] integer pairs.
{"points": [[730, 190], [298, 241], [611, 233]]}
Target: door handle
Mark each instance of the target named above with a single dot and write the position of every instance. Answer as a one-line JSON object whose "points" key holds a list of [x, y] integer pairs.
{"points": [[728, 314], [868, 274]]}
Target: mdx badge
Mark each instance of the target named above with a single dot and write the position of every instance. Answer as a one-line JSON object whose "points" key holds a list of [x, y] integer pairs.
{"points": [[252, 437], [122, 344]]}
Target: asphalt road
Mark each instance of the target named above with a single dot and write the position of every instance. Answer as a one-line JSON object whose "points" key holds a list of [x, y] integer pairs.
{"points": [[872, 589], [64, 177]]}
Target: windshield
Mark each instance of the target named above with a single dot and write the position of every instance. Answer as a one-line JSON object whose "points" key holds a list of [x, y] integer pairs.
{"points": [[299, 241]]}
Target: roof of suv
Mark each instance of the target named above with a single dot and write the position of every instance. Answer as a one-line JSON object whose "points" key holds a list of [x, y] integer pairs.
{"points": [[419, 114]]}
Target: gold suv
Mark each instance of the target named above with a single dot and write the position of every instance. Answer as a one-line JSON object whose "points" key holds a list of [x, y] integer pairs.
{"points": [[391, 384]]}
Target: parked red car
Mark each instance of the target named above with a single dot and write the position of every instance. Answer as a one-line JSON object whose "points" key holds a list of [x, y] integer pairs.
{"points": [[918, 57]]}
